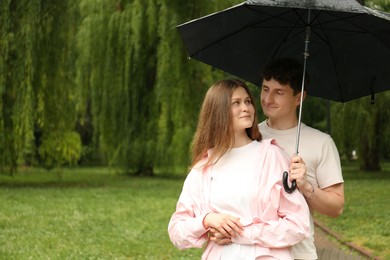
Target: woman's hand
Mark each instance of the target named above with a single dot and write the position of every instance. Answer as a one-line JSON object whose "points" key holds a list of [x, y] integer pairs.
{"points": [[218, 237], [227, 225]]}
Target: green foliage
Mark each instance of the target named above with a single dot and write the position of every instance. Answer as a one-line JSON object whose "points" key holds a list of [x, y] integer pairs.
{"points": [[118, 73], [364, 127], [116, 68], [314, 113], [36, 80], [144, 93], [17, 68], [60, 148], [379, 4]]}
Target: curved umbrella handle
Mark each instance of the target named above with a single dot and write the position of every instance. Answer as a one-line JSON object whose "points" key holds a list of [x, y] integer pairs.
{"points": [[287, 188]]}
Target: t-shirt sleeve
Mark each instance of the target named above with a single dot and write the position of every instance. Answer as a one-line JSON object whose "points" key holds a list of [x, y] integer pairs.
{"points": [[329, 168]]}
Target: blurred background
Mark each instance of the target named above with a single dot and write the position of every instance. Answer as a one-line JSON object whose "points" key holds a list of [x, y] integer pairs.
{"points": [[108, 83]]}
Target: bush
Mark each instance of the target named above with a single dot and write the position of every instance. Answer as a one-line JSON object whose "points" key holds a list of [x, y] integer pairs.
{"points": [[60, 148]]}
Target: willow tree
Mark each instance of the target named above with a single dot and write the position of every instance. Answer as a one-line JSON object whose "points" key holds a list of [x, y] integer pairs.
{"points": [[181, 83], [116, 69], [58, 97], [91, 45], [378, 4], [178, 87], [20, 34], [6, 152], [134, 72], [36, 81], [364, 127]]}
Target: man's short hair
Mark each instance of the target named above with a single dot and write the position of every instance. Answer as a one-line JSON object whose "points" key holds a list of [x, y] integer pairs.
{"points": [[287, 71]]}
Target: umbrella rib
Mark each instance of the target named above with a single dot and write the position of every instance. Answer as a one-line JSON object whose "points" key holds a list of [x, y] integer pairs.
{"points": [[362, 30], [250, 25], [257, 24], [332, 57], [325, 38], [320, 25], [344, 19], [288, 33], [280, 17]]}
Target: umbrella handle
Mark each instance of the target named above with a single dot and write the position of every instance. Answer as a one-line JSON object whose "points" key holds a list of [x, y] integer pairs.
{"points": [[287, 188]]}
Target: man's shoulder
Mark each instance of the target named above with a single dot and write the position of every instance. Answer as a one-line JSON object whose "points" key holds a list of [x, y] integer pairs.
{"points": [[308, 130], [262, 124], [305, 129], [271, 145]]}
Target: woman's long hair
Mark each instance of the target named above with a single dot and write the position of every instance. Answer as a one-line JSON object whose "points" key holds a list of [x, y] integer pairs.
{"points": [[215, 125]]}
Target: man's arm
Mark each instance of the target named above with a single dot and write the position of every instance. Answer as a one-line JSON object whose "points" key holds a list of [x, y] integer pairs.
{"points": [[328, 201]]}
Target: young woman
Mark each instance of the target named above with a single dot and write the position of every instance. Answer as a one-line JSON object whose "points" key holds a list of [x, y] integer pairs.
{"points": [[235, 185]]}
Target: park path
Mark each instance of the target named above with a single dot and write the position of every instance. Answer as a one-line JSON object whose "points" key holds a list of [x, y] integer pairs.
{"points": [[331, 247]]}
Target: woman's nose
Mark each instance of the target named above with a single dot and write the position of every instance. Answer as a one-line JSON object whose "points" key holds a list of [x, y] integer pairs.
{"points": [[245, 107]]}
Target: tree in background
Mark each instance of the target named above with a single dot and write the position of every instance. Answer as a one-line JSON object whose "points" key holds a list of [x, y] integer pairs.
{"points": [[58, 98], [37, 89], [18, 45], [110, 81], [144, 93], [362, 126]]}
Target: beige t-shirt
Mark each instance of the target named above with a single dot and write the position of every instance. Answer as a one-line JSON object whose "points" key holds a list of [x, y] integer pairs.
{"points": [[323, 166]]}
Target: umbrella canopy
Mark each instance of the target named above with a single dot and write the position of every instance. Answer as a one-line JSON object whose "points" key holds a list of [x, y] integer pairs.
{"points": [[348, 44]]}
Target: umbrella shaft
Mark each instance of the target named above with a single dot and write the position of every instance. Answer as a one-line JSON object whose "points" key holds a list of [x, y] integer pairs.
{"points": [[305, 56]]}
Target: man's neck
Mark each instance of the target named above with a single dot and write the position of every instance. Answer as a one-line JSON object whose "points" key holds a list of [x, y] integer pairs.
{"points": [[282, 124]]}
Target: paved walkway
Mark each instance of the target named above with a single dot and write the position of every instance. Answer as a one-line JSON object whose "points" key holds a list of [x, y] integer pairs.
{"points": [[330, 248]]}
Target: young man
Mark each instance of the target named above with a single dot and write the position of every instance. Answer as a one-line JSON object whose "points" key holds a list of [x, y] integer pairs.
{"points": [[322, 182]]}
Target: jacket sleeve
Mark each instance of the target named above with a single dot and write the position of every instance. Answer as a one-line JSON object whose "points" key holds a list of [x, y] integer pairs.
{"points": [[185, 227], [284, 219]]}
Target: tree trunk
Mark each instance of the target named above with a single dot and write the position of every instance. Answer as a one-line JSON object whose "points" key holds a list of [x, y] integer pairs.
{"points": [[371, 146], [370, 160]]}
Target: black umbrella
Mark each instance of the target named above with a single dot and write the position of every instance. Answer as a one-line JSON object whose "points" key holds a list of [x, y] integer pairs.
{"points": [[349, 44]]}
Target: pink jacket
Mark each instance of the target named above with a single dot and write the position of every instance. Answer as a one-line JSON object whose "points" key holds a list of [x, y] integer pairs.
{"points": [[279, 221]]}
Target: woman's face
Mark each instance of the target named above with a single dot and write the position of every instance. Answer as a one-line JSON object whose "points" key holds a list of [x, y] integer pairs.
{"points": [[242, 110]]}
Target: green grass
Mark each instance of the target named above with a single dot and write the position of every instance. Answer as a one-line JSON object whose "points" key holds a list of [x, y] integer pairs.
{"points": [[92, 213], [365, 220]]}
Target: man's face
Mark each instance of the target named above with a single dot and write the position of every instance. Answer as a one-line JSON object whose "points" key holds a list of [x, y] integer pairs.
{"points": [[278, 101]]}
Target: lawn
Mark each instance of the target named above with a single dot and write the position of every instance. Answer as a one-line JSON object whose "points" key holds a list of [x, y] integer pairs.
{"points": [[365, 220], [90, 214], [93, 213]]}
